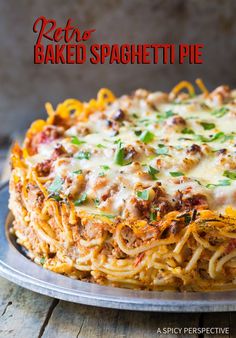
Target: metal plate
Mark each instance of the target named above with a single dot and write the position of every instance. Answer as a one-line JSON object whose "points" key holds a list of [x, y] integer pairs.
{"points": [[20, 270]]}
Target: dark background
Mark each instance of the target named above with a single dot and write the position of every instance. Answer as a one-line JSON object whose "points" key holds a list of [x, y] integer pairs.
{"points": [[25, 87]]}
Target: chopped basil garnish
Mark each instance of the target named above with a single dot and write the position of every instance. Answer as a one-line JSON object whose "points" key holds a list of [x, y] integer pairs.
{"points": [[55, 196], [42, 260], [138, 132], [135, 116], [104, 215], [161, 150], [176, 173], [187, 131], [169, 113], [184, 139], [76, 141], [215, 137], [77, 172], [143, 195], [119, 154], [99, 145], [152, 172], [144, 120], [221, 183], [208, 126], [81, 199], [96, 202], [205, 106], [198, 182], [165, 115], [83, 155], [56, 185], [105, 167], [187, 217], [230, 174], [147, 136], [220, 112], [107, 215], [179, 148], [227, 137], [153, 216]]}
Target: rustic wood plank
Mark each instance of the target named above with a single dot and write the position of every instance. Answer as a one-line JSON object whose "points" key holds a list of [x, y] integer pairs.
{"points": [[216, 320], [22, 312], [232, 322], [74, 320]]}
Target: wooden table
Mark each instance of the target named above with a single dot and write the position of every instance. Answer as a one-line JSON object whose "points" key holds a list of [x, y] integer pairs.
{"points": [[26, 314]]}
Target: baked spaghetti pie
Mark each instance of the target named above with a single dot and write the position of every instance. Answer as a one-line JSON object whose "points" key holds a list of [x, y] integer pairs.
{"points": [[137, 191]]}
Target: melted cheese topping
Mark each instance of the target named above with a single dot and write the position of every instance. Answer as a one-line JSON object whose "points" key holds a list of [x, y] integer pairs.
{"points": [[139, 143]]}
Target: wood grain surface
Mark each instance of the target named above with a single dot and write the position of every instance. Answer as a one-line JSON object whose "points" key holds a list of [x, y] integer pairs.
{"points": [[24, 314]]}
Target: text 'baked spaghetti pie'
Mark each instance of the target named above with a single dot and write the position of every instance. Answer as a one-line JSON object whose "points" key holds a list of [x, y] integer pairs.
{"points": [[137, 191]]}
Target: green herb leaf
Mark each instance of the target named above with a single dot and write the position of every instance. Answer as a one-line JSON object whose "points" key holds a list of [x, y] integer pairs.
{"points": [[76, 141], [144, 120], [143, 195], [220, 112], [179, 148], [105, 167], [215, 137], [187, 217], [165, 115], [119, 154], [96, 202], [184, 139], [152, 172], [198, 182], [187, 131], [81, 199], [161, 150], [55, 196], [230, 174], [227, 137], [153, 216], [42, 260], [147, 136], [56, 185], [99, 145], [83, 155], [208, 126], [135, 116], [107, 215], [176, 173], [169, 113], [101, 174], [221, 183], [77, 172], [138, 132], [205, 106]]}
